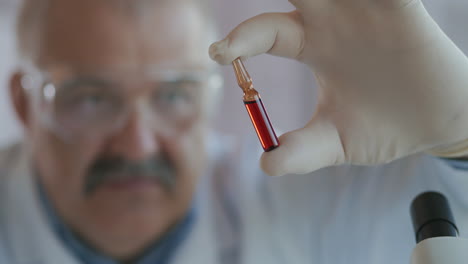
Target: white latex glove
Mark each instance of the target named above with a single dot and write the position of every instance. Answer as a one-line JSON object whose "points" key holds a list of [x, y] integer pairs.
{"points": [[391, 83]]}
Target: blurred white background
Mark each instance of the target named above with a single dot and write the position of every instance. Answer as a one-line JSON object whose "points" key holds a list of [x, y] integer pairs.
{"points": [[286, 86], [9, 127]]}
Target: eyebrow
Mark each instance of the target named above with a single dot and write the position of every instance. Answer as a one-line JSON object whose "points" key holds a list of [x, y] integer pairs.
{"points": [[85, 80], [185, 76]]}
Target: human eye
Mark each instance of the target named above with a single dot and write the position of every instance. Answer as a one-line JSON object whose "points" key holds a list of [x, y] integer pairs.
{"points": [[91, 101], [172, 94], [86, 99]]}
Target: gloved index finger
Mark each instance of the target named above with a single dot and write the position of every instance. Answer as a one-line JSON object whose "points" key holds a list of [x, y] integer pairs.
{"points": [[280, 34]]}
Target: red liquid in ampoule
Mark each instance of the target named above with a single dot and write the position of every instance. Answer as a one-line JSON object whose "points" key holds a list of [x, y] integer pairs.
{"points": [[262, 124]]}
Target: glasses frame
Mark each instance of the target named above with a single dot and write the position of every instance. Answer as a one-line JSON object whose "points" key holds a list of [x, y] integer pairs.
{"points": [[40, 86]]}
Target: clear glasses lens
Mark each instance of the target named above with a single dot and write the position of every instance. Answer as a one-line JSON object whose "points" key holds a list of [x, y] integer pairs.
{"points": [[84, 106]]}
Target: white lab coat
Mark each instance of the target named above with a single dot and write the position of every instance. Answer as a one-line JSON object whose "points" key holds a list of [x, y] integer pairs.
{"points": [[346, 214]]}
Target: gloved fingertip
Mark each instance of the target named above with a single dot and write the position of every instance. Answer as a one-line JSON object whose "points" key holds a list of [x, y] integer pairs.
{"points": [[304, 150], [277, 162], [269, 166], [218, 52]]}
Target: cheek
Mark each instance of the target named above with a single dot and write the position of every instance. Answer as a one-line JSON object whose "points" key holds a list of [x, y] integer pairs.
{"points": [[189, 154], [62, 165]]}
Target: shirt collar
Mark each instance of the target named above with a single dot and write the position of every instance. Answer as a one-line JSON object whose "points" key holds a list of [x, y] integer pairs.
{"points": [[160, 252]]}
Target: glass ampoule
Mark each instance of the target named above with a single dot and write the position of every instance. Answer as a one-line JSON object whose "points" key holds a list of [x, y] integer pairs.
{"points": [[254, 105]]}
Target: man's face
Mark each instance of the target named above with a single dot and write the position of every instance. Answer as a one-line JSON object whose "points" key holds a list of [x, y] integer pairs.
{"points": [[122, 141]]}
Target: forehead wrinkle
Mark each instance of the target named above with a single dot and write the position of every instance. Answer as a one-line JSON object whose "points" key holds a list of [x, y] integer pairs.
{"points": [[113, 38], [88, 35], [36, 11], [184, 39]]}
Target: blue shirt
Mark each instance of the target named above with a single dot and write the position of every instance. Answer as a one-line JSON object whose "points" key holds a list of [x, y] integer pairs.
{"points": [[161, 252], [458, 163]]}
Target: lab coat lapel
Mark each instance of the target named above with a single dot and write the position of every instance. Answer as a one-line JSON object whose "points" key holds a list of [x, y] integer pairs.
{"points": [[27, 231]]}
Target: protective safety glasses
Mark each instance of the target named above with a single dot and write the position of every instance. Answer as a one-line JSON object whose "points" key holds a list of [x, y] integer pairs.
{"points": [[82, 104]]}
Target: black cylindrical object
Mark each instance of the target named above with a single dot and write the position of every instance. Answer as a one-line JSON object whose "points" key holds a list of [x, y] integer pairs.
{"points": [[432, 216]]}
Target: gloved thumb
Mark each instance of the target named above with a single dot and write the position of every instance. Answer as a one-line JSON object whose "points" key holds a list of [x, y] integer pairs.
{"points": [[315, 146], [279, 34]]}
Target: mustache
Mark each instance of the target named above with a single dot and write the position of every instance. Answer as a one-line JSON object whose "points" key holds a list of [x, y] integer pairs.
{"points": [[104, 170]]}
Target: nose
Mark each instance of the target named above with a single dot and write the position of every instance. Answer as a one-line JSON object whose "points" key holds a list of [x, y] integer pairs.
{"points": [[136, 140]]}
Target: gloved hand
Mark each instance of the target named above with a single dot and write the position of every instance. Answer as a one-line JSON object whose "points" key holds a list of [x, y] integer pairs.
{"points": [[391, 83]]}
